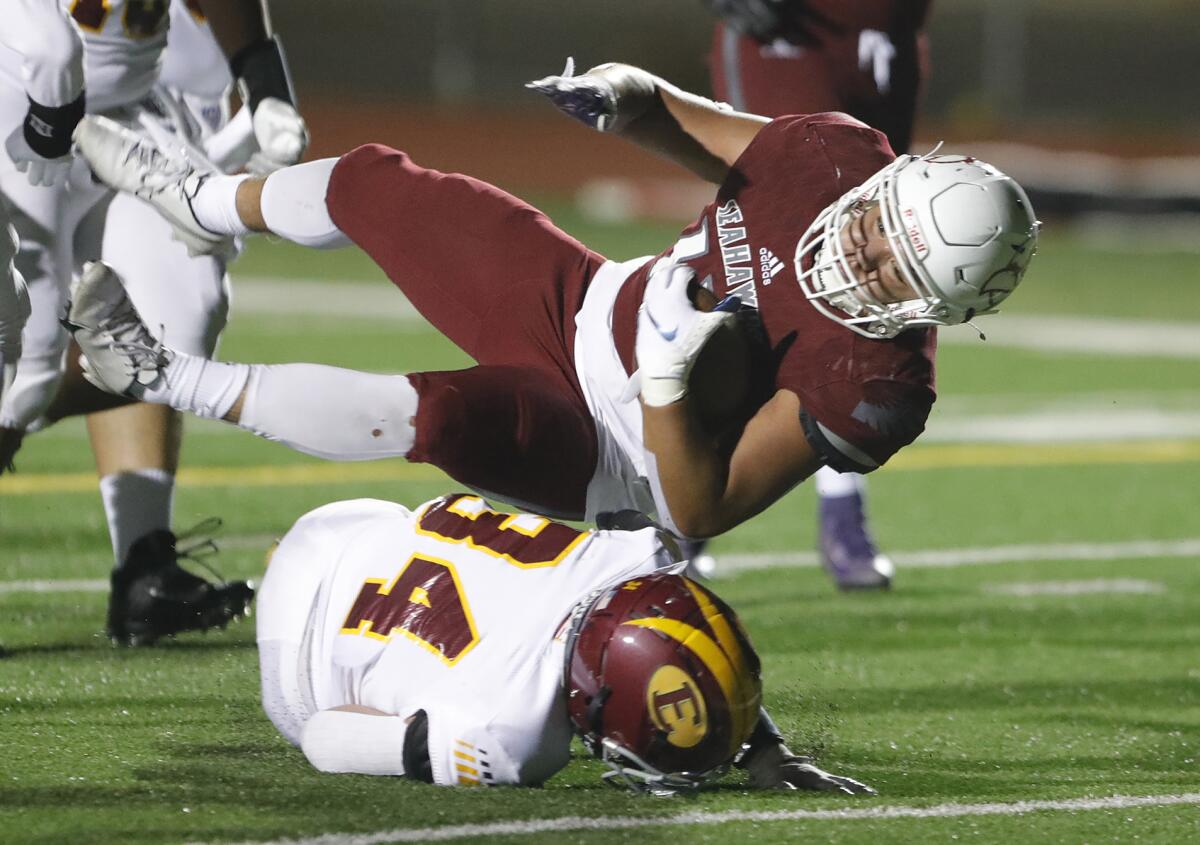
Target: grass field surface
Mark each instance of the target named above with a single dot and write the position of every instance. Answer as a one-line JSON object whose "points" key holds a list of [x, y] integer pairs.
{"points": [[1033, 677]]}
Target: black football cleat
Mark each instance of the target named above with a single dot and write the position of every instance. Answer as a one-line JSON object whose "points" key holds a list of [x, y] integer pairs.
{"points": [[153, 596]]}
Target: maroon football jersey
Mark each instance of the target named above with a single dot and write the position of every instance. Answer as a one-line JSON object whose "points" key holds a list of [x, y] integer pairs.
{"points": [[862, 398]]}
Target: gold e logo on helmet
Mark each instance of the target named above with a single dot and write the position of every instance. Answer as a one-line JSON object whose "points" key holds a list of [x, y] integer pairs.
{"points": [[676, 706]]}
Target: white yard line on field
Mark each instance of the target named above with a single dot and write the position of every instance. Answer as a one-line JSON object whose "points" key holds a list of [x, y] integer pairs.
{"points": [[982, 556], [577, 823], [1076, 588], [729, 563], [1098, 335]]}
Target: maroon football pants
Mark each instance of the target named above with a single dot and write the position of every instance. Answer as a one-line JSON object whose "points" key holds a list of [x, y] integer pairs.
{"points": [[496, 277]]}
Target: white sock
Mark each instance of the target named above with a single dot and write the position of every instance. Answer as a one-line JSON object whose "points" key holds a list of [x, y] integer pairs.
{"points": [[136, 503], [331, 413], [197, 385], [215, 204], [293, 205], [832, 484]]}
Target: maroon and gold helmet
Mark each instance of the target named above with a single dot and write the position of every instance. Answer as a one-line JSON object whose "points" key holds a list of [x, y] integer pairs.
{"points": [[662, 682]]}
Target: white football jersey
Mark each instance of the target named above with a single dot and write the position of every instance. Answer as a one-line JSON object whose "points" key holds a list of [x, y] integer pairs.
{"points": [[453, 609], [194, 62], [123, 40]]}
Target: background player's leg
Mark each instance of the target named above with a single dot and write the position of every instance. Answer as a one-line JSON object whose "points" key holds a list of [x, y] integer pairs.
{"points": [[848, 551], [137, 447]]}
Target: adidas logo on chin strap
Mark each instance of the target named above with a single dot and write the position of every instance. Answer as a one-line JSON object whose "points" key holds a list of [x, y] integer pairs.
{"points": [[769, 265]]}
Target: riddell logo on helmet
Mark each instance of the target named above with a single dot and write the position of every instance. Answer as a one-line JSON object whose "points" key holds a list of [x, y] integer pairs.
{"points": [[676, 706], [913, 231]]}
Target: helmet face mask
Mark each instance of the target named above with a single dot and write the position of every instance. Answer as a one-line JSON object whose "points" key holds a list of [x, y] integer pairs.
{"points": [[961, 234], [662, 683]]}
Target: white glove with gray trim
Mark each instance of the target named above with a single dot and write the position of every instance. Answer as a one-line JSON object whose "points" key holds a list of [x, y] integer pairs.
{"points": [[671, 333]]}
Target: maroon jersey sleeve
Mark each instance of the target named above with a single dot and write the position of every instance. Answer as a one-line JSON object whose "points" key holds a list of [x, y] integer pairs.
{"points": [[863, 398]]}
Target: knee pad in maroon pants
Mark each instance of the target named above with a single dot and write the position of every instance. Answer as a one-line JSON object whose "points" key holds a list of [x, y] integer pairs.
{"points": [[514, 432]]}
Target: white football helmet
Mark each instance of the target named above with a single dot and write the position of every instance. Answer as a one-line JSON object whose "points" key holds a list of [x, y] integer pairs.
{"points": [[961, 231]]}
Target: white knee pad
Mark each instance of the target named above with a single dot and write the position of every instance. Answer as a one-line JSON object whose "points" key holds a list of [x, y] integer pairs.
{"points": [[293, 205]]}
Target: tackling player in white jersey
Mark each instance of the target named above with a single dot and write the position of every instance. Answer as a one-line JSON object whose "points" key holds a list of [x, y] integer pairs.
{"points": [[461, 646], [60, 221]]}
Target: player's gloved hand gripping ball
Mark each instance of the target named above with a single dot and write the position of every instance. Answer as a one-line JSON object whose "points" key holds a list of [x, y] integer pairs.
{"points": [[671, 333]]}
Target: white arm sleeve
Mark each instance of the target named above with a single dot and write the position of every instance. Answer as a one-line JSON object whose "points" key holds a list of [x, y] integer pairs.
{"points": [[50, 47], [360, 743]]}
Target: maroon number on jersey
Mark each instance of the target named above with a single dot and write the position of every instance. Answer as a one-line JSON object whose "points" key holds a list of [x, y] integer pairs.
{"points": [[522, 540], [424, 603]]}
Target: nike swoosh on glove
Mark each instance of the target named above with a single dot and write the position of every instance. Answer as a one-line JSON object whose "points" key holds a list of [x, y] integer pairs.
{"points": [[671, 333]]}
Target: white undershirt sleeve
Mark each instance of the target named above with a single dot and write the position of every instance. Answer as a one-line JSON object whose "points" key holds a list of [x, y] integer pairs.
{"points": [[359, 743]]}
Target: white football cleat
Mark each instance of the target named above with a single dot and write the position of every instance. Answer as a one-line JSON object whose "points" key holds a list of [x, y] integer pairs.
{"points": [[120, 355], [129, 162]]}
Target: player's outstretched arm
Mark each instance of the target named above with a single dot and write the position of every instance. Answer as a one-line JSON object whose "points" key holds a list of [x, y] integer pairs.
{"points": [[703, 136]]}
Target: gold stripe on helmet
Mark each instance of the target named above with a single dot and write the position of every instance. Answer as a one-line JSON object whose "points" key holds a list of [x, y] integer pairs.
{"points": [[732, 646], [725, 668]]}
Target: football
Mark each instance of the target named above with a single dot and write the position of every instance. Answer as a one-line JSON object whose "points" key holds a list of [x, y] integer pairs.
{"points": [[719, 385]]}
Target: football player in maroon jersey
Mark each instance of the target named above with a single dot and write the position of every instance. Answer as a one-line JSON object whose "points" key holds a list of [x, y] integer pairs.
{"points": [[868, 59], [843, 257]]}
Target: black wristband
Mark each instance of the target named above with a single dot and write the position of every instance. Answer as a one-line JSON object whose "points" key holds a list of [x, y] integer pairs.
{"points": [[416, 749], [48, 128], [262, 69]]}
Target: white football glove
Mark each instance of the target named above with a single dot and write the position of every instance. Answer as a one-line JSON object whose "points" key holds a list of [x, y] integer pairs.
{"points": [[42, 172], [281, 134], [774, 767], [671, 333]]}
